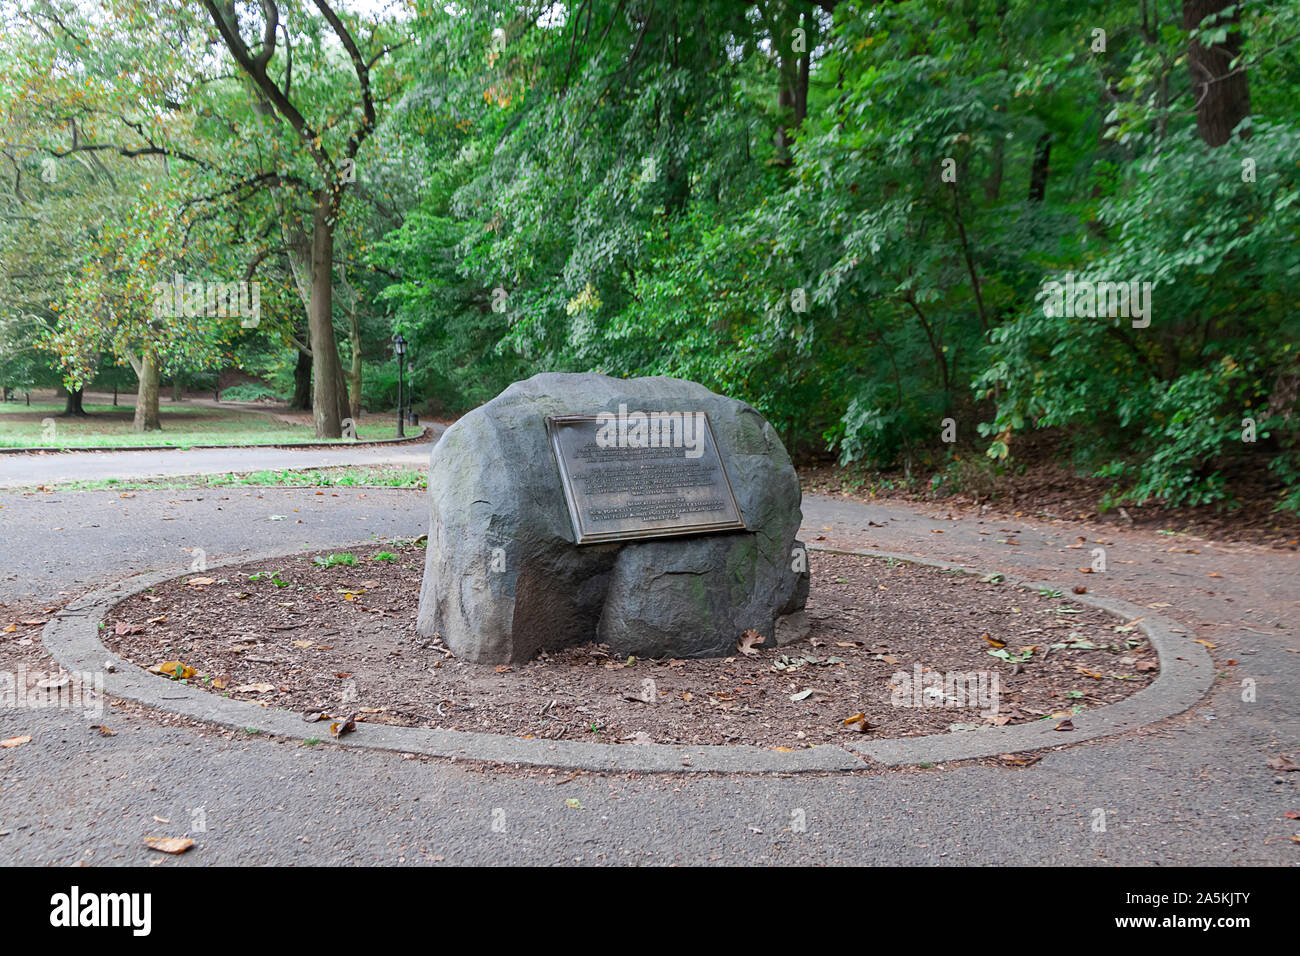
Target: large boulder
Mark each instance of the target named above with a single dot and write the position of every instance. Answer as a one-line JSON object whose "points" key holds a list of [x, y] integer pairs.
{"points": [[503, 579]]}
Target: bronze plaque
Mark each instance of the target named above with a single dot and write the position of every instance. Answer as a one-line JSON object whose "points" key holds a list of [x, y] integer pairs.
{"points": [[652, 475]]}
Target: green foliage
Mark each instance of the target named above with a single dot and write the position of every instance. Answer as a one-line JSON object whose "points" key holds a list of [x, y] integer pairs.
{"points": [[1224, 258], [848, 218], [250, 392]]}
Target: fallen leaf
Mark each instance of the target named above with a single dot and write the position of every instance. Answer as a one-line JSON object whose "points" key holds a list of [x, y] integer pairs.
{"points": [[504, 669], [1019, 760], [994, 641], [198, 582], [802, 695], [173, 669], [573, 803], [1293, 815], [341, 727], [857, 722], [35, 623], [259, 688], [123, 628], [15, 742], [103, 731], [1080, 589], [172, 845], [1281, 764], [1064, 725], [748, 640], [1201, 640]]}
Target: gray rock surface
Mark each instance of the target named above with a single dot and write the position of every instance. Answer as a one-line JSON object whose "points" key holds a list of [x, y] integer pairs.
{"points": [[503, 579]]}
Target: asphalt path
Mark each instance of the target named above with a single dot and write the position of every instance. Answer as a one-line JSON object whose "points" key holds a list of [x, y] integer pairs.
{"points": [[34, 468], [1194, 789]]}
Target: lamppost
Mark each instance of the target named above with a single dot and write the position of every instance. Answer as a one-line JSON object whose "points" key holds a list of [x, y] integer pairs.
{"points": [[399, 346]]}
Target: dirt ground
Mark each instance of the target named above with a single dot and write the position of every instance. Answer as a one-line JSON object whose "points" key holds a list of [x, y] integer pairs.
{"points": [[1051, 490], [338, 639]]}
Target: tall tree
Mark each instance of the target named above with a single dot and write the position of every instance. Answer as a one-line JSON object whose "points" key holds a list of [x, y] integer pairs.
{"points": [[1219, 80], [335, 165]]}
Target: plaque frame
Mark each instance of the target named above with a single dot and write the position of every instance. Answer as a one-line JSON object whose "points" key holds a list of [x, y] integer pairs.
{"points": [[582, 534]]}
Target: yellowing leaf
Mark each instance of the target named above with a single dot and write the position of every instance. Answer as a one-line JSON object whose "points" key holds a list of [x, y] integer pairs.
{"points": [[173, 669], [171, 845]]}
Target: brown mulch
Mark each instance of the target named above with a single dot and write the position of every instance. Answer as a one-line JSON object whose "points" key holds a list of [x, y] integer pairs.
{"points": [[323, 634]]}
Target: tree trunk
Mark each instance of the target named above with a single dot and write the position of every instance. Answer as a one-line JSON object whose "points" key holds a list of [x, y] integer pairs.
{"points": [[302, 382], [326, 400], [178, 393], [146, 399], [72, 406], [354, 342], [805, 68], [1038, 175], [787, 78], [341, 389], [1222, 95]]}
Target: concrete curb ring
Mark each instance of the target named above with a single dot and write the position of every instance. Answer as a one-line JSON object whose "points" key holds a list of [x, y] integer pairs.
{"points": [[1186, 674]]}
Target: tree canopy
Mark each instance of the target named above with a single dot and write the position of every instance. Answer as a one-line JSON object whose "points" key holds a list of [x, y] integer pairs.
{"points": [[868, 219]]}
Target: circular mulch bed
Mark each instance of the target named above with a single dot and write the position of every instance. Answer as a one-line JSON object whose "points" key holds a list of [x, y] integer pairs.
{"points": [[315, 633]]}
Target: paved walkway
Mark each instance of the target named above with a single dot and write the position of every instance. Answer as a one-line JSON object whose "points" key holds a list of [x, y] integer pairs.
{"points": [[1194, 790], [18, 471]]}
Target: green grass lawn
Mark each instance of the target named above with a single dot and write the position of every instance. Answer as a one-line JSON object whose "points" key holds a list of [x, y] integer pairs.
{"points": [[182, 426], [342, 476]]}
